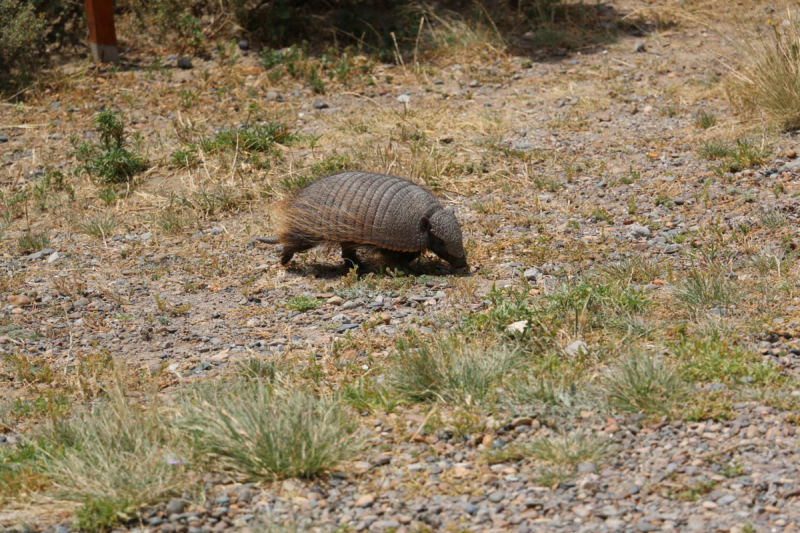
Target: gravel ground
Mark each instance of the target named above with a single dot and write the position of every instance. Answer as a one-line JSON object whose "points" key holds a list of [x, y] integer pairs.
{"points": [[612, 170]]}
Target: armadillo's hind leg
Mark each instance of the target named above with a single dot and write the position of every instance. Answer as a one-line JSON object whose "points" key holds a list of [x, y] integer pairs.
{"points": [[294, 243], [350, 256]]}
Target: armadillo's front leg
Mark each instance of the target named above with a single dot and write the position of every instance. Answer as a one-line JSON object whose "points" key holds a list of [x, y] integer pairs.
{"points": [[350, 256], [401, 260]]}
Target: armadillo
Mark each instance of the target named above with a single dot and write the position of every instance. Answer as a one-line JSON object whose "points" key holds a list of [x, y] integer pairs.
{"points": [[358, 209]]}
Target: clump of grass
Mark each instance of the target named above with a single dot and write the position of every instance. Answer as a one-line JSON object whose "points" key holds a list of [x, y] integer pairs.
{"points": [[567, 450], [109, 160], [704, 119], [257, 368], [33, 242], [715, 360], [449, 371], [20, 471], [713, 150], [592, 303], [772, 218], [185, 157], [703, 289], [742, 155], [643, 384], [27, 369], [632, 177], [301, 304], [635, 269], [173, 221], [558, 457], [113, 458], [98, 227], [251, 138], [767, 70], [545, 394], [267, 432], [767, 261], [366, 396]]}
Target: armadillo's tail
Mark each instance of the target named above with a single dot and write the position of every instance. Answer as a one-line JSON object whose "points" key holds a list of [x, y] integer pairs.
{"points": [[265, 240]]}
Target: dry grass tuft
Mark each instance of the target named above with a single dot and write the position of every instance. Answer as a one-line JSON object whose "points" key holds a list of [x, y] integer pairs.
{"points": [[113, 458], [766, 69]]}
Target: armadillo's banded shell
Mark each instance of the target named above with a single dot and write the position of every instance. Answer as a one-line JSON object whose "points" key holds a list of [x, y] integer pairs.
{"points": [[363, 208]]}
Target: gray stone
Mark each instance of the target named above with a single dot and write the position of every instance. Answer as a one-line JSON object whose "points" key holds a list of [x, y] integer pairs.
{"points": [[185, 63], [638, 231], [497, 496], [319, 104], [532, 274], [587, 468], [175, 506], [576, 348]]}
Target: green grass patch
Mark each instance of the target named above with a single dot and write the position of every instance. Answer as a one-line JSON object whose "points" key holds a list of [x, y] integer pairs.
{"points": [[716, 360], [301, 304], [704, 289], [449, 370], [33, 242], [704, 120], [250, 139], [641, 383], [266, 432]]}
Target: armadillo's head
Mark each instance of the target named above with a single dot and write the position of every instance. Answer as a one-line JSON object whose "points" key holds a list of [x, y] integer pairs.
{"points": [[444, 238]]}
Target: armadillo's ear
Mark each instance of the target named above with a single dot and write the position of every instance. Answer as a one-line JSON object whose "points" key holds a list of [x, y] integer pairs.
{"points": [[424, 225]]}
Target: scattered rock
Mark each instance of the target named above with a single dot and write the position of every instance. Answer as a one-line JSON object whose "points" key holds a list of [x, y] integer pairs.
{"points": [[185, 63], [517, 327], [365, 501], [576, 349], [20, 300]]}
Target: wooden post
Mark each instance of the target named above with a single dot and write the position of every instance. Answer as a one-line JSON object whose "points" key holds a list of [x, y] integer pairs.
{"points": [[102, 36]]}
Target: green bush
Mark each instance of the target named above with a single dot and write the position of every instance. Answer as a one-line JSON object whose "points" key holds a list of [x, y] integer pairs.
{"points": [[109, 160], [22, 43]]}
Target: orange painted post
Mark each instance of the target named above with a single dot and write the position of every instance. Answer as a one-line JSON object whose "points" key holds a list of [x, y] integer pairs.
{"points": [[102, 36]]}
